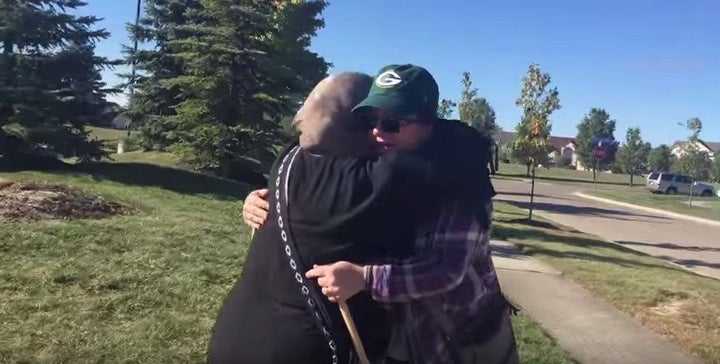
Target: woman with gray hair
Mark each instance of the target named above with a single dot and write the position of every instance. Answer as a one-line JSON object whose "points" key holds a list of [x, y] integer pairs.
{"points": [[332, 198]]}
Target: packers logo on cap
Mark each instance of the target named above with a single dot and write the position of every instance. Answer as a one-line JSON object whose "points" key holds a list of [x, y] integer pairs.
{"points": [[388, 79]]}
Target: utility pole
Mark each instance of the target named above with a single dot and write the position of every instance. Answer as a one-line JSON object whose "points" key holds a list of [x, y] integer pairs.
{"points": [[138, 10]]}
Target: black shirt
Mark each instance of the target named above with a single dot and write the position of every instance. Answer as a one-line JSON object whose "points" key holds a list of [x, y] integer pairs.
{"points": [[360, 210]]}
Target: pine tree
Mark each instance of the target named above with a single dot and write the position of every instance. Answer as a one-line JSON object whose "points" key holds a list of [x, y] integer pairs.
{"points": [[239, 82], [152, 105], [475, 110], [50, 85]]}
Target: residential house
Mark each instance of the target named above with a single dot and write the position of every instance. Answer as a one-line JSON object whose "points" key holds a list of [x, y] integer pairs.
{"points": [[712, 148], [561, 153]]}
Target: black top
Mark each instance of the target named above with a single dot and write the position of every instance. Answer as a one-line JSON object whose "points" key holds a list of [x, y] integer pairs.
{"points": [[357, 210]]}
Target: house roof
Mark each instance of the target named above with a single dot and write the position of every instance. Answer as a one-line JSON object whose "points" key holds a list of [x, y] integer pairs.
{"points": [[504, 137], [713, 146], [556, 142]]}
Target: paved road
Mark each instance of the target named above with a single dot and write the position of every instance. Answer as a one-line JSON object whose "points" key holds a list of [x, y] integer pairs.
{"points": [[690, 244]]}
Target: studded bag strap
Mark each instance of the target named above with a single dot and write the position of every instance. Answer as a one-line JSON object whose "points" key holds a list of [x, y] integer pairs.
{"points": [[309, 290]]}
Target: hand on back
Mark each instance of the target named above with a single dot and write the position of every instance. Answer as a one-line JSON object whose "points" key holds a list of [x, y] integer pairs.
{"points": [[255, 208]]}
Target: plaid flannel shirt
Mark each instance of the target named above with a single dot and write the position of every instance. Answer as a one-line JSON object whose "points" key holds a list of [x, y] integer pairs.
{"points": [[447, 285]]}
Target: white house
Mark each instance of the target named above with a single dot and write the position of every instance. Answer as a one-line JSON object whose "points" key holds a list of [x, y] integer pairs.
{"points": [[561, 153], [712, 148]]}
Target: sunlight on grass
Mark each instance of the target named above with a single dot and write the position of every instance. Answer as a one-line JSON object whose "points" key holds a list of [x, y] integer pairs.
{"points": [[705, 207], [565, 175], [534, 346], [107, 134], [160, 158], [143, 287]]}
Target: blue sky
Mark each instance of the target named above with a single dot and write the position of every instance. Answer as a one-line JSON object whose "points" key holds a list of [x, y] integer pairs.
{"points": [[649, 63]]}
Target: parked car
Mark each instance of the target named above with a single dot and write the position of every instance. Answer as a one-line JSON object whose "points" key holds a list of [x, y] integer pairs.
{"points": [[676, 183]]}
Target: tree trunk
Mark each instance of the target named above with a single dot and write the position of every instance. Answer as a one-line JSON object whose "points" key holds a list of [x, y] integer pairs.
{"points": [[528, 169], [532, 193], [6, 106], [595, 168], [631, 180]]}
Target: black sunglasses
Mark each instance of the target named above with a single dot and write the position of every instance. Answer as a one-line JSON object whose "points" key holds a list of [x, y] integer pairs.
{"points": [[369, 121]]}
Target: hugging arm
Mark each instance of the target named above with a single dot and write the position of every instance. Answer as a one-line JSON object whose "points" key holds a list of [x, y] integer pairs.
{"points": [[256, 208]]}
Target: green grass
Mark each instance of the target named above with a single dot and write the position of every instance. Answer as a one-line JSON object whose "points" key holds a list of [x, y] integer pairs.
{"points": [[139, 288], [159, 158], [565, 175], [679, 305], [535, 346], [107, 134], [704, 207]]}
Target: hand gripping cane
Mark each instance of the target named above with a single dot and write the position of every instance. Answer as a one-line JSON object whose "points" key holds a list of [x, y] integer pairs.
{"points": [[349, 323]]}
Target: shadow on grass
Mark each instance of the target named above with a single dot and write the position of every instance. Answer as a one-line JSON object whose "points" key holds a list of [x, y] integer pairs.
{"points": [[535, 223], [583, 210], [518, 235], [690, 263], [151, 175], [524, 194], [561, 179], [673, 246]]}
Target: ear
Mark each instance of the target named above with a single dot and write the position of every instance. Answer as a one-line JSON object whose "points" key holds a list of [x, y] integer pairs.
{"points": [[312, 124]]}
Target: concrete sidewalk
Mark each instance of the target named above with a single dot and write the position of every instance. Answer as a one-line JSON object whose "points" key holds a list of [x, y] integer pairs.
{"points": [[590, 330]]}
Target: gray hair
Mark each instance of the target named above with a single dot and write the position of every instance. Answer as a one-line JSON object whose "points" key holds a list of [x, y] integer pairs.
{"points": [[325, 120]]}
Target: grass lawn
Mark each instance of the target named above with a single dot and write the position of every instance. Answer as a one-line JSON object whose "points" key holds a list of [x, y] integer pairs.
{"points": [[139, 288], [565, 175], [705, 207], [107, 134], [681, 306], [159, 158]]}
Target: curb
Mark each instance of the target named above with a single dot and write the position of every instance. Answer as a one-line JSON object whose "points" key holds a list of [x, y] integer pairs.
{"points": [[650, 210]]}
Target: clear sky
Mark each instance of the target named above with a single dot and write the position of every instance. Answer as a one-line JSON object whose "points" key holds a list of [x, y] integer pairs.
{"points": [[649, 63]]}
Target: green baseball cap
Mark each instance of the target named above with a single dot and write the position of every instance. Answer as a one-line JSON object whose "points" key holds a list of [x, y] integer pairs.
{"points": [[403, 89]]}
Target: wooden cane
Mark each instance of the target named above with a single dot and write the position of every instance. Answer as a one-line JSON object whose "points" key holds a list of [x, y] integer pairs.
{"points": [[350, 324]]}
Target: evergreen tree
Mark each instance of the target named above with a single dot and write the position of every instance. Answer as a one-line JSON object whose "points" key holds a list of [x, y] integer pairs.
{"points": [[241, 78], [152, 105], [475, 110], [50, 85]]}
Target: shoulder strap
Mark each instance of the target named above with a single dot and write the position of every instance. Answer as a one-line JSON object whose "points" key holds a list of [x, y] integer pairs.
{"points": [[308, 289]]}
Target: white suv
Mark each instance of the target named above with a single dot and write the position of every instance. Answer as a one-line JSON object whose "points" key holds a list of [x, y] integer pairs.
{"points": [[674, 183]]}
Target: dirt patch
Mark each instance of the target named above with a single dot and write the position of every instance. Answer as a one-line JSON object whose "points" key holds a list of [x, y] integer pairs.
{"points": [[672, 308], [45, 201], [703, 204]]}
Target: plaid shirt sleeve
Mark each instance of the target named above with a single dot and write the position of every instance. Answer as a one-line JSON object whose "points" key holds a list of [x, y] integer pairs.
{"points": [[441, 269]]}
